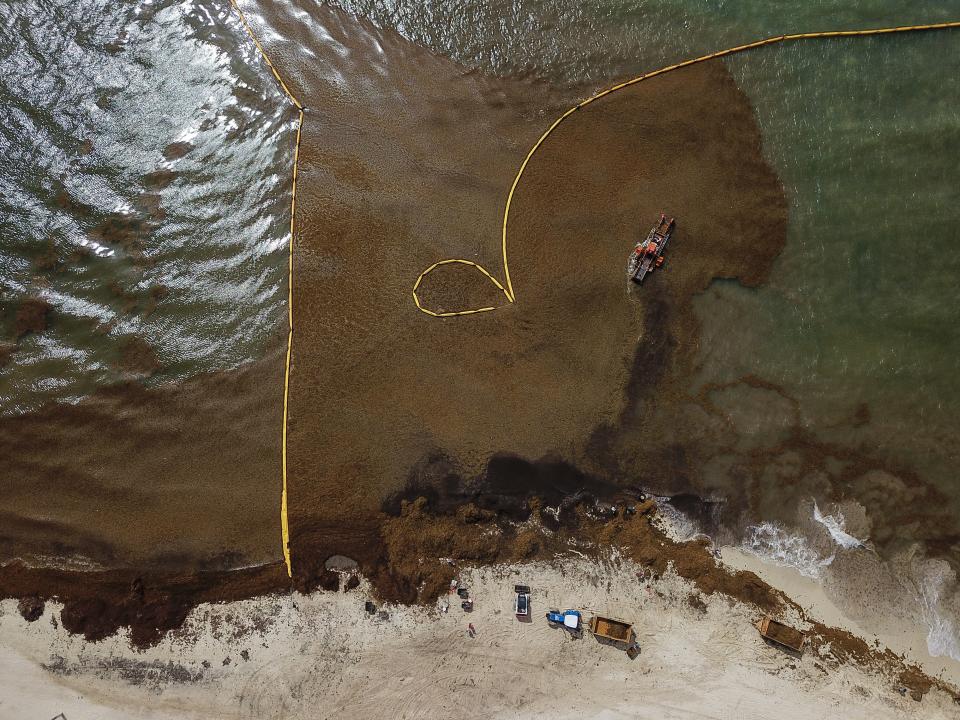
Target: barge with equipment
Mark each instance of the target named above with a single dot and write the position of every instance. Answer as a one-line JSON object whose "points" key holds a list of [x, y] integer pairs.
{"points": [[648, 254]]}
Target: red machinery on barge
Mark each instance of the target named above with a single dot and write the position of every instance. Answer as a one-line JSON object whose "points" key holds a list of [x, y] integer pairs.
{"points": [[648, 254]]}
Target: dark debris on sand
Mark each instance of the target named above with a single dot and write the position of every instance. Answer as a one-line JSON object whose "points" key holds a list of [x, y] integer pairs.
{"points": [[97, 604]]}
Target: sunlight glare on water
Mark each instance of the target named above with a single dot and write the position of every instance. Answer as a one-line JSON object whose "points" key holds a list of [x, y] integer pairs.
{"points": [[145, 193]]}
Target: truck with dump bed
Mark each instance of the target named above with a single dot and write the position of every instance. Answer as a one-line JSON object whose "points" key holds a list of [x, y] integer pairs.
{"points": [[611, 629], [781, 634]]}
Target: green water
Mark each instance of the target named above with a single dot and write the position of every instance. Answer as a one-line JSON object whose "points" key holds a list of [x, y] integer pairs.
{"points": [[862, 305]]}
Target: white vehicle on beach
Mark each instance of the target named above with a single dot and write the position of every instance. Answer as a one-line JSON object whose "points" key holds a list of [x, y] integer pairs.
{"points": [[521, 604]]}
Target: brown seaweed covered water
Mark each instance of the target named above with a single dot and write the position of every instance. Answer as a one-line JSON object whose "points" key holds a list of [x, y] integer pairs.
{"points": [[581, 389], [388, 401], [177, 478], [405, 159]]}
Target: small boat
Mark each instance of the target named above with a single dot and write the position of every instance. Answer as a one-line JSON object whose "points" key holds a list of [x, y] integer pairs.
{"points": [[648, 254]]}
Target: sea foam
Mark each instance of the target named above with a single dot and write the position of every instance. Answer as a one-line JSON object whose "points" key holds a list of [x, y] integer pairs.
{"points": [[942, 637], [836, 526], [931, 581], [772, 543], [677, 525]]}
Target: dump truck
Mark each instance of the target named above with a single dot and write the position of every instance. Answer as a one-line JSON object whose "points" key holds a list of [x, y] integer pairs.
{"points": [[611, 629], [781, 634]]}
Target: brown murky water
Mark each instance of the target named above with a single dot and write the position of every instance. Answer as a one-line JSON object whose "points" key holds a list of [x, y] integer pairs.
{"points": [[405, 159], [583, 383], [385, 398], [178, 478]]}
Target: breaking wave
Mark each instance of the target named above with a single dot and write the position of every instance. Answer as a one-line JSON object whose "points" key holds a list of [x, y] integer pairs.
{"points": [[772, 543], [942, 636], [836, 526], [679, 526], [931, 583]]}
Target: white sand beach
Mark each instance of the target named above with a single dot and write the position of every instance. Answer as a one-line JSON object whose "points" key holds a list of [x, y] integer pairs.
{"points": [[324, 656]]}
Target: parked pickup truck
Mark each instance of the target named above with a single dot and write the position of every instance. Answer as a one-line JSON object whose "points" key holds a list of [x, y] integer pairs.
{"points": [[521, 605], [616, 630]]}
